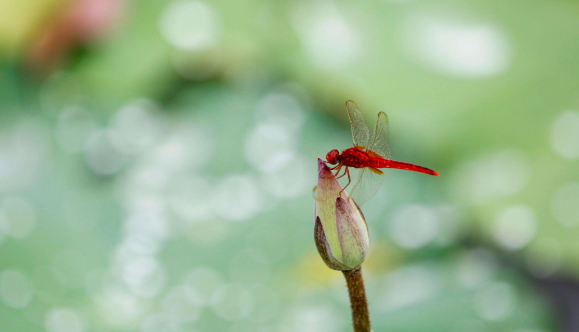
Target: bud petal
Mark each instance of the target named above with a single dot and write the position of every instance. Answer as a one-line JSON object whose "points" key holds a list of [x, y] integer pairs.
{"points": [[324, 248], [352, 233]]}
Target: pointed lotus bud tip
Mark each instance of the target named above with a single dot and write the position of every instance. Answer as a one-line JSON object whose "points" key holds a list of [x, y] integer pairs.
{"points": [[324, 171]]}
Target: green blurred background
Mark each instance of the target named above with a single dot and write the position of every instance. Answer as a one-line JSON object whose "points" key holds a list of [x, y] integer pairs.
{"points": [[157, 160]]}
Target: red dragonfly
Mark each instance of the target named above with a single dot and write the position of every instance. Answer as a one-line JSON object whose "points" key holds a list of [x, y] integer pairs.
{"points": [[369, 156]]}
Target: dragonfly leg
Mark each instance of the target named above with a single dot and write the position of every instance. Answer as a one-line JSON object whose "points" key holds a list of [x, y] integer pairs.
{"points": [[349, 179], [345, 170], [337, 168]]}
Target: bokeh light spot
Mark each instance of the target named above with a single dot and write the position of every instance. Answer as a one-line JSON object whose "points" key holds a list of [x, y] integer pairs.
{"points": [[118, 308], [271, 239], [409, 285], [160, 322], [180, 306], [151, 225], [144, 277], [515, 227], [238, 198], [190, 198], [201, 283], [134, 127], [232, 302], [281, 108], [492, 177], [24, 154], [70, 268], [565, 135], [465, 50], [188, 146], [290, 180], [208, 232], [266, 304], [315, 319], [101, 156], [250, 266], [476, 268], [191, 25], [18, 217], [75, 125], [414, 226], [269, 146], [81, 209], [16, 289], [64, 320], [328, 37], [496, 301], [565, 204]]}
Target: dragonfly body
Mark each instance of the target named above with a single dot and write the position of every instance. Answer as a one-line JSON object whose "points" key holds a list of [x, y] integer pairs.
{"points": [[359, 158], [355, 157], [368, 154]]}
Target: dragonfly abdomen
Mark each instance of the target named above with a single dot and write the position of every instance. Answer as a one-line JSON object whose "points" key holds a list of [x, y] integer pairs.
{"points": [[387, 163]]}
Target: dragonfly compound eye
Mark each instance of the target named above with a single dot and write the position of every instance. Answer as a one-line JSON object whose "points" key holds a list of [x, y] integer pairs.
{"points": [[333, 156]]}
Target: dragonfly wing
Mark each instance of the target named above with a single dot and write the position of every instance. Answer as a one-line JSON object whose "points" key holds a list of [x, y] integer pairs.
{"points": [[360, 132], [379, 143], [366, 185]]}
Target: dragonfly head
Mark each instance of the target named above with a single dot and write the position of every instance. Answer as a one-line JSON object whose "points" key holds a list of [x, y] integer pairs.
{"points": [[333, 157]]}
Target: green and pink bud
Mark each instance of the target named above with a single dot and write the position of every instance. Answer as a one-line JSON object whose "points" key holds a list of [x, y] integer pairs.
{"points": [[340, 231]]}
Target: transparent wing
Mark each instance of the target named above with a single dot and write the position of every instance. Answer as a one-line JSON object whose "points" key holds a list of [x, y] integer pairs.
{"points": [[379, 143], [366, 185], [360, 132]]}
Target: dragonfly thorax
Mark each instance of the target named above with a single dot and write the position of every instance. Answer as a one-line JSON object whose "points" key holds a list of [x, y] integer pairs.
{"points": [[333, 157]]}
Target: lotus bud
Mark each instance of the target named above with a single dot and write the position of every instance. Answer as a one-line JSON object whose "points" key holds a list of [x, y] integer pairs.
{"points": [[340, 229]]}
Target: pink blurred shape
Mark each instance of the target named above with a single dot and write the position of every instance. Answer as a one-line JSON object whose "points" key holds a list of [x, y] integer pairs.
{"points": [[79, 22]]}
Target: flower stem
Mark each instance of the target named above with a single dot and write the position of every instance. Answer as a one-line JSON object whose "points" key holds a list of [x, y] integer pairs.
{"points": [[358, 302]]}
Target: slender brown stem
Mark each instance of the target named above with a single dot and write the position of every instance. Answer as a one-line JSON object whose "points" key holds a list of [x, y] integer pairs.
{"points": [[358, 302]]}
